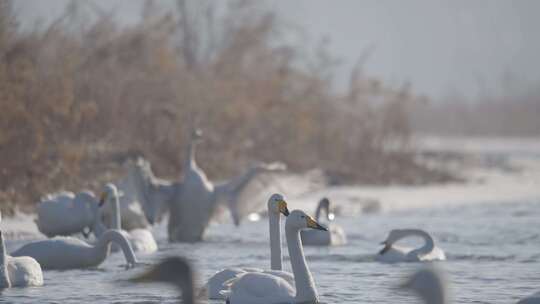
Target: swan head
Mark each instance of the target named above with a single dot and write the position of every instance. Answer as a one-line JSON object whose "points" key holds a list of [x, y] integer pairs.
{"points": [[109, 191], [429, 284], [298, 219], [196, 134], [277, 204]]}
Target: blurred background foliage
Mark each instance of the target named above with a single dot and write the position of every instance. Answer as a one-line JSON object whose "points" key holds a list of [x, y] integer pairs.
{"points": [[80, 96]]}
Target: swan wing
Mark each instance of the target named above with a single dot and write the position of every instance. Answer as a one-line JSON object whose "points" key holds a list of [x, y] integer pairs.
{"points": [[287, 276], [250, 198], [216, 283], [258, 287], [24, 271]]}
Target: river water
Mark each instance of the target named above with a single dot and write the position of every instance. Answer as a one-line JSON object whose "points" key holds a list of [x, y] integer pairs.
{"points": [[493, 255]]}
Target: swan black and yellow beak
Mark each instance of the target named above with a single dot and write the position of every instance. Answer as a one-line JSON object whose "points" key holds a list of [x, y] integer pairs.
{"points": [[282, 205], [386, 247], [311, 223], [102, 199]]}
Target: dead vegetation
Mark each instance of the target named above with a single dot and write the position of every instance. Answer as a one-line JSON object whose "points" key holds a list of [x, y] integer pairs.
{"points": [[81, 95]]}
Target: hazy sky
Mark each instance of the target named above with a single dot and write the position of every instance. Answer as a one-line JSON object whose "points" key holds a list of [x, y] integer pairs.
{"points": [[439, 46]]}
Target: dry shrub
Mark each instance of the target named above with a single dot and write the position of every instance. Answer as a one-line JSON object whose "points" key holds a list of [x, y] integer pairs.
{"points": [[79, 97]]}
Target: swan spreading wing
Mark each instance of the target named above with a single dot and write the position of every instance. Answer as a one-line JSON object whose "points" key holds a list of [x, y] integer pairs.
{"points": [[245, 198]]}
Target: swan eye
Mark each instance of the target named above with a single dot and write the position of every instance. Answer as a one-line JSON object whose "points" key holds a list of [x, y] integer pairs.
{"points": [[303, 216]]}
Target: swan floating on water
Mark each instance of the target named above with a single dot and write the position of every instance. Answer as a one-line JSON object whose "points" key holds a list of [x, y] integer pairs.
{"points": [[395, 254], [176, 271], [333, 237], [197, 199], [18, 271], [256, 287], [276, 205], [430, 285], [141, 240], [65, 213], [72, 253]]}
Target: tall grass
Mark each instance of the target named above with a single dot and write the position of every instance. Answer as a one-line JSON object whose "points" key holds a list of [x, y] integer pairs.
{"points": [[81, 95]]}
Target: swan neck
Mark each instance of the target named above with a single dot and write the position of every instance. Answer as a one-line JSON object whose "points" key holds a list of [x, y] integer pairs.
{"points": [[117, 217], [4, 275], [305, 285], [188, 290], [115, 236], [191, 150], [319, 209], [276, 259]]}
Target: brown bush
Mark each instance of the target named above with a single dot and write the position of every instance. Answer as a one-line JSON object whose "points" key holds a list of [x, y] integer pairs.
{"points": [[78, 97]]}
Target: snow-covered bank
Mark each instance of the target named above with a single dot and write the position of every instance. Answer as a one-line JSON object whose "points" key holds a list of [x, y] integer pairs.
{"points": [[513, 178], [488, 182]]}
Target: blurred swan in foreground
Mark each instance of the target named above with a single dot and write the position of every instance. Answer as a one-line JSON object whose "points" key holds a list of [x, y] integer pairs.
{"points": [[196, 201], [141, 240], [18, 271], [532, 299], [430, 285], [72, 253], [276, 205], [175, 271], [256, 287], [394, 254], [65, 213], [333, 237]]}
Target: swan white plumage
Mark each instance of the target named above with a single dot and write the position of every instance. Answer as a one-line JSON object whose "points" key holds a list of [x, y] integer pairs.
{"points": [[276, 206], [430, 284], [335, 235], [395, 254], [65, 213], [72, 253], [197, 199], [141, 240], [255, 287], [174, 270], [18, 271]]}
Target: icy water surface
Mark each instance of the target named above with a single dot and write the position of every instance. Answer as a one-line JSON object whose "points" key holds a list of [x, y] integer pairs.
{"points": [[493, 257]]}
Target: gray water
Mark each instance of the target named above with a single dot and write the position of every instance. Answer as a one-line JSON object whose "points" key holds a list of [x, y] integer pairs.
{"points": [[493, 257]]}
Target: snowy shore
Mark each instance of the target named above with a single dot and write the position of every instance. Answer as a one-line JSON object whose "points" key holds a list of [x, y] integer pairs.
{"points": [[513, 176]]}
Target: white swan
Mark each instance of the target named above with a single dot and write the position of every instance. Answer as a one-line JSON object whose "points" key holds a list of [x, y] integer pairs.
{"points": [[394, 254], [141, 240], [276, 205], [335, 235], [72, 253], [430, 285], [64, 213], [197, 199], [256, 287], [18, 271], [172, 270]]}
